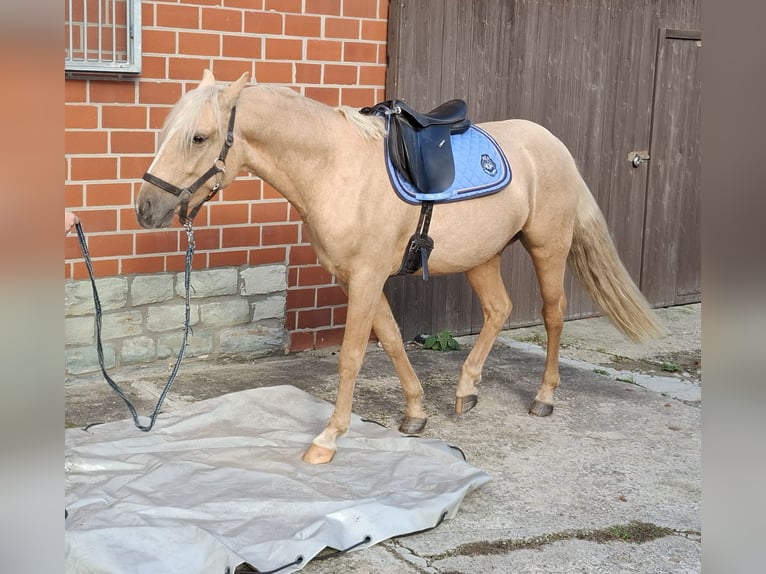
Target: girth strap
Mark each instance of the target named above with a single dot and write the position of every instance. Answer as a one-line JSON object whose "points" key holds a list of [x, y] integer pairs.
{"points": [[420, 247]]}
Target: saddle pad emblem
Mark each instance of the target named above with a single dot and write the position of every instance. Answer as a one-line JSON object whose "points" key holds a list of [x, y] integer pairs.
{"points": [[481, 168], [488, 165]]}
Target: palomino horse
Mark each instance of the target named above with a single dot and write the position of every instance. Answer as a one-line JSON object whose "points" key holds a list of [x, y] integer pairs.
{"points": [[328, 163]]}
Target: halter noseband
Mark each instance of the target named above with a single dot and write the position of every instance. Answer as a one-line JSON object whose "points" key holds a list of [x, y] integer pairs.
{"points": [[218, 168]]}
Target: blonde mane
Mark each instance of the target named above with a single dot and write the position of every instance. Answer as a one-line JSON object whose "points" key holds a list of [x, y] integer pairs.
{"points": [[185, 114], [370, 127]]}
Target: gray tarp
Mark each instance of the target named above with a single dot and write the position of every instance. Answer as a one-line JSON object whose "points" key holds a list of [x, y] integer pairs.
{"points": [[221, 482]]}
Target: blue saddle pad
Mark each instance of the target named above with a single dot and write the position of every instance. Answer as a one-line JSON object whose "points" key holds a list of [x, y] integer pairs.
{"points": [[481, 168]]}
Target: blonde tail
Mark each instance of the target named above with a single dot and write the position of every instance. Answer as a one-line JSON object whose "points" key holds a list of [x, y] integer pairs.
{"points": [[596, 263]]}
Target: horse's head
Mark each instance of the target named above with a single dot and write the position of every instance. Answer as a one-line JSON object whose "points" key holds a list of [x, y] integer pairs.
{"points": [[189, 167]]}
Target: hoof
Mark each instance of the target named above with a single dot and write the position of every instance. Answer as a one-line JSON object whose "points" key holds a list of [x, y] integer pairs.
{"points": [[412, 425], [465, 404], [318, 455], [540, 409]]}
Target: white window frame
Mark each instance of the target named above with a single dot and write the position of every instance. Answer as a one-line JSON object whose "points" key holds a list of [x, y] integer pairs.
{"points": [[94, 60]]}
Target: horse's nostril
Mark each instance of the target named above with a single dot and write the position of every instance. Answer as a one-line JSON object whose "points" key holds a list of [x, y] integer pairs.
{"points": [[145, 207]]}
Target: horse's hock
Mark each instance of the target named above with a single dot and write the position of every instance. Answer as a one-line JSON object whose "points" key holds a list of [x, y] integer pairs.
{"points": [[233, 310]]}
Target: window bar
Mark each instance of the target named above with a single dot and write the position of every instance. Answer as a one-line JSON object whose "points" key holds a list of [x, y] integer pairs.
{"points": [[100, 27], [114, 30], [85, 30]]}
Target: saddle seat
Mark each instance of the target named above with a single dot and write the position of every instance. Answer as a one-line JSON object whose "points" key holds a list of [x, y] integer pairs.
{"points": [[420, 143]]}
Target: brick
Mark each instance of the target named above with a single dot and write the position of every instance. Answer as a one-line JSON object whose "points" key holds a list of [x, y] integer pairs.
{"points": [[268, 211], [313, 318], [302, 255], [270, 23], [313, 275], [131, 142], [266, 256], [286, 234], [329, 96], [177, 16], [360, 52], [100, 194], [157, 241], [210, 283], [204, 238], [158, 41], [199, 44], [375, 30], [284, 49], [268, 192], [142, 265], [301, 298], [273, 72], [187, 68], [383, 7], [97, 220], [249, 236], [124, 117], [228, 258], [225, 313], [134, 166], [372, 76], [357, 97], [81, 360], [138, 350], [157, 117], [324, 50], [154, 67], [85, 142], [301, 341], [269, 308], [75, 91], [222, 19], [252, 341], [241, 47], [230, 70], [303, 26], [101, 268], [328, 7], [339, 315], [246, 4], [329, 296], [82, 117], [328, 337], [112, 91], [159, 92], [79, 330], [155, 288], [169, 317], [93, 168], [128, 220], [198, 343], [308, 73], [284, 5], [263, 279], [110, 245], [78, 295], [339, 74], [121, 324], [361, 8], [342, 28], [229, 214]]}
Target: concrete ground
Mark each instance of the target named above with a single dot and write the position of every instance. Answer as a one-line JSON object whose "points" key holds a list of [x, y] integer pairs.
{"points": [[611, 482]]}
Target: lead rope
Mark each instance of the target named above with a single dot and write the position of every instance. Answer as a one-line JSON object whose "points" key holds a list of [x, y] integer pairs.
{"points": [[99, 347]]}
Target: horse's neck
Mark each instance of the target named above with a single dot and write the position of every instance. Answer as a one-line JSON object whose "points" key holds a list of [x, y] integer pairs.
{"points": [[292, 141]]}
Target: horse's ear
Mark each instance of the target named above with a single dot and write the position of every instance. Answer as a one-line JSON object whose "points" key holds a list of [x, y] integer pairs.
{"points": [[207, 79], [231, 93]]}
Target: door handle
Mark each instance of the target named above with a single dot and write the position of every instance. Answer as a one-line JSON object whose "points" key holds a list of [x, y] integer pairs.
{"points": [[636, 158]]}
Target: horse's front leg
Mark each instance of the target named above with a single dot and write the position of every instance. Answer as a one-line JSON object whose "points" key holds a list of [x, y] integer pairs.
{"points": [[363, 299], [390, 337]]}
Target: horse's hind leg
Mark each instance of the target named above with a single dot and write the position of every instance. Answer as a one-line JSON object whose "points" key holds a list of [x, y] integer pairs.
{"points": [[387, 331], [550, 264], [487, 281]]}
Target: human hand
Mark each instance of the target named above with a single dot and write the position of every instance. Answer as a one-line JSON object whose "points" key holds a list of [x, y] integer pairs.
{"points": [[70, 220]]}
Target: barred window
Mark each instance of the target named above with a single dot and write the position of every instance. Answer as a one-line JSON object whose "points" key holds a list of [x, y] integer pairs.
{"points": [[102, 37]]}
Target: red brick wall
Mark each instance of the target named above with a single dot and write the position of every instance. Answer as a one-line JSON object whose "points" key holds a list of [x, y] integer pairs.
{"points": [[333, 51]]}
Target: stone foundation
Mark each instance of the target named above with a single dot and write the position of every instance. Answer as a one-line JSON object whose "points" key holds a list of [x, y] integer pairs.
{"points": [[233, 310]]}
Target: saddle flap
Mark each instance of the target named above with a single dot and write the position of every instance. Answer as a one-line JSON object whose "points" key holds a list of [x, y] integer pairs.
{"points": [[424, 155]]}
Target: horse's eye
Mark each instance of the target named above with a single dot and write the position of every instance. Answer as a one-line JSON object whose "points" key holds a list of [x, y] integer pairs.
{"points": [[198, 139]]}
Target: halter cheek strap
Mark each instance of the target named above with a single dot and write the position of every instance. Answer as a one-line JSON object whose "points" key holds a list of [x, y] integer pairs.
{"points": [[218, 168]]}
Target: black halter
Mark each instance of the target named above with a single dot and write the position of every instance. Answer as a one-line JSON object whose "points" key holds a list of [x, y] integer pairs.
{"points": [[218, 168]]}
